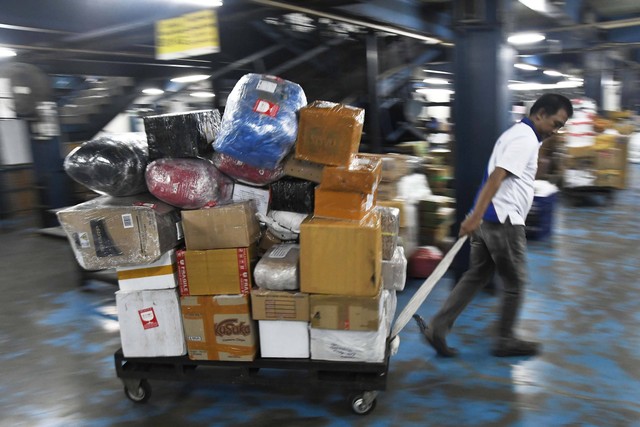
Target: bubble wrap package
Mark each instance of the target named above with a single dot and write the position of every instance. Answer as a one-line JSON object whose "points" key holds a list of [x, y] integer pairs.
{"points": [[293, 195], [390, 219], [394, 271], [277, 270], [188, 183], [112, 164], [259, 125], [244, 173], [282, 224]]}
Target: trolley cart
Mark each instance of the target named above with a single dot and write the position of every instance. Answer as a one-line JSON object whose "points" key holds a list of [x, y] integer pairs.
{"points": [[362, 379]]}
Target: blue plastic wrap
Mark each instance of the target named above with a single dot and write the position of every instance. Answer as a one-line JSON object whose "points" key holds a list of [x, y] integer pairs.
{"points": [[259, 125]]}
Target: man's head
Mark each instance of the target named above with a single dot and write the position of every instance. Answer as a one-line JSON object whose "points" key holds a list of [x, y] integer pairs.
{"points": [[549, 113]]}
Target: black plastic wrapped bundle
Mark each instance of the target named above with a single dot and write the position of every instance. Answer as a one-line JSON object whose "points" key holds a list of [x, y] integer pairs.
{"points": [[182, 134], [112, 164], [293, 195]]}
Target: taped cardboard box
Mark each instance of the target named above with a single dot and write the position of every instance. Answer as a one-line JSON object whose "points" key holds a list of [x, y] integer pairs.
{"points": [[221, 227], [279, 305], [329, 133], [219, 328], [341, 257], [162, 274], [150, 323], [280, 338], [108, 232], [216, 271], [342, 204], [362, 175], [302, 169], [346, 312], [610, 178]]}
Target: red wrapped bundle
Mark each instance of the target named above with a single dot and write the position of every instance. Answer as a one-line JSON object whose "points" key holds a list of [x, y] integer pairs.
{"points": [[188, 183], [245, 173], [423, 261]]}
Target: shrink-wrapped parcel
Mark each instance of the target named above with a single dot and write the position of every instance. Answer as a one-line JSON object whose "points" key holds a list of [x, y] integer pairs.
{"points": [[277, 270]]}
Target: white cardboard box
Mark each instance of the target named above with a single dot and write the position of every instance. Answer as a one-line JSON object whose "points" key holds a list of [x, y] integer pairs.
{"points": [[284, 338], [150, 323], [162, 274]]}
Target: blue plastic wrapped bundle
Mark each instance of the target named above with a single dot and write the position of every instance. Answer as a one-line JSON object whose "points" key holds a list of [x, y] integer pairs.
{"points": [[259, 125]]}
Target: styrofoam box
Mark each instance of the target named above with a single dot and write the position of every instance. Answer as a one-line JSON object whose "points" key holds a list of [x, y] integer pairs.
{"points": [[284, 338], [150, 323], [162, 274]]}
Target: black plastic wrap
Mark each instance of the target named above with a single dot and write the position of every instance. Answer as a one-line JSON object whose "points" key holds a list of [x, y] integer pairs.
{"points": [[293, 195], [112, 164], [182, 134]]}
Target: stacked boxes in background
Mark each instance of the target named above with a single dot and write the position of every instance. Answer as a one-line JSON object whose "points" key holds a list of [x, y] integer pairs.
{"points": [[436, 215]]}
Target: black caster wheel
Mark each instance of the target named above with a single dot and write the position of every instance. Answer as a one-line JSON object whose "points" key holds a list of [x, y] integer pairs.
{"points": [[140, 394], [360, 405]]}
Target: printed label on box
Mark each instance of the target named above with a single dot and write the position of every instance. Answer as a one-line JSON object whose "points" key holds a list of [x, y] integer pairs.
{"points": [[263, 106], [127, 221], [243, 269], [267, 86], [183, 283], [148, 318], [280, 251]]}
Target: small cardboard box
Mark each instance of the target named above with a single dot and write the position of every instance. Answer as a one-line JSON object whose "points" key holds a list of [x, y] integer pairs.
{"points": [[279, 305], [361, 176], [221, 227], [346, 313], [162, 274], [284, 339], [341, 257], [303, 169], [342, 204], [611, 159], [219, 328], [610, 178], [215, 272]]}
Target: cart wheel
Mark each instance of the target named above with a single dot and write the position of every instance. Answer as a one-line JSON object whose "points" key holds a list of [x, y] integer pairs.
{"points": [[360, 405], [141, 394]]}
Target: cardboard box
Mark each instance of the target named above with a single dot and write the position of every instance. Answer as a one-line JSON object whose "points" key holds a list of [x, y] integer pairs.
{"points": [[109, 232], [219, 328], [150, 323], [611, 159], [162, 274], [362, 175], [215, 272], [284, 339], [279, 305], [581, 158], [610, 178], [342, 204], [346, 313], [329, 133], [221, 227], [341, 257], [302, 169]]}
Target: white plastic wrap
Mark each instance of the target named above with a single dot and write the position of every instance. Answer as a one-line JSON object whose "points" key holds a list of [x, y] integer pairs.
{"points": [[278, 268], [413, 187], [282, 224], [394, 271], [390, 223]]}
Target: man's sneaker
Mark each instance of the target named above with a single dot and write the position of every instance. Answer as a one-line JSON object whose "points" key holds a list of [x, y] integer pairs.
{"points": [[509, 347], [438, 343]]}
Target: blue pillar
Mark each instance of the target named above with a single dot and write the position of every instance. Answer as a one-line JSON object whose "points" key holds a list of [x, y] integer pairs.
{"points": [[630, 93], [483, 64], [594, 74]]}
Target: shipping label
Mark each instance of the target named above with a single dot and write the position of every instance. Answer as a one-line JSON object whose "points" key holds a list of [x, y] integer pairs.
{"points": [[268, 108], [243, 270], [148, 318], [183, 283]]}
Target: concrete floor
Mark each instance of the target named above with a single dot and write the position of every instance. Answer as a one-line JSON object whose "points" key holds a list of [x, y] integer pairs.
{"points": [[583, 303]]}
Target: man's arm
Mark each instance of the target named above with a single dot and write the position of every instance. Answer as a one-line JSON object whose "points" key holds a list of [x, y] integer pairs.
{"points": [[472, 222]]}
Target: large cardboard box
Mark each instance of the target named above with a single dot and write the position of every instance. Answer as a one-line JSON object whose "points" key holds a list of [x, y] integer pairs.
{"points": [[280, 338], [109, 232], [150, 323], [219, 328], [342, 204], [362, 175], [614, 158], [279, 305], [610, 178], [220, 227], [346, 313], [216, 271], [341, 257], [162, 274], [581, 158]]}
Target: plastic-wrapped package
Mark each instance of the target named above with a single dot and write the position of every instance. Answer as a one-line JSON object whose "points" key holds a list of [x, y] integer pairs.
{"points": [[259, 125], [277, 270], [109, 232], [112, 164], [247, 174], [182, 134], [390, 221], [293, 195], [394, 271], [283, 225], [188, 183], [362, 175]]}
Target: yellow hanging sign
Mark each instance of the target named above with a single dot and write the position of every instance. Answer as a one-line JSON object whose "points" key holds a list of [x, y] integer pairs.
{"points": [[188, 35]]}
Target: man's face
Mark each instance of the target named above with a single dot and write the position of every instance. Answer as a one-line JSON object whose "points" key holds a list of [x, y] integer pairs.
{"points": [[547, 125]]}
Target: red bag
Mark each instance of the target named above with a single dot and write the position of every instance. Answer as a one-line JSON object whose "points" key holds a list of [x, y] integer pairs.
{"points": [[423, 261], [245, 173]]}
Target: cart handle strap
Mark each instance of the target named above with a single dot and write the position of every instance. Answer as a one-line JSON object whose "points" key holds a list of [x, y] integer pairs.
{"points": [[423, 291]]}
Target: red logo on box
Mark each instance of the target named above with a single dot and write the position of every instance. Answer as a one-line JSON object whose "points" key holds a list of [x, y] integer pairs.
{"points": [[148, 318], [263, 106]]}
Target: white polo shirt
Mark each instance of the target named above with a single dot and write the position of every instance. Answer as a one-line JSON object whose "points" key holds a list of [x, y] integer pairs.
{"points": [[516, 151]]}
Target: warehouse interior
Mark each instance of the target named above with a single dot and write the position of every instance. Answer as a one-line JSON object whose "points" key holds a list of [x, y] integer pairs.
{"points": [[436, 82]]}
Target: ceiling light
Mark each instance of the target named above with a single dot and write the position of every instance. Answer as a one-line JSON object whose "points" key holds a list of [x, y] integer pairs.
{"points": [[437, 72], [525, 67], [202, 94], [6, 52], [190, 79], [553, 73], [537, 5], [526, 38], [203, 3], [435, 81], [152, 91]]}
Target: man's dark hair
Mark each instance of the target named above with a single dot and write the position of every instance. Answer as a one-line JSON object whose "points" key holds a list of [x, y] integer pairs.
{"points": [[551, 103]]}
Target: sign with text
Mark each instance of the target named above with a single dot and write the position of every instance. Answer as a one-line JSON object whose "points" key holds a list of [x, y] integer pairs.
{"points": [[188, 35]]}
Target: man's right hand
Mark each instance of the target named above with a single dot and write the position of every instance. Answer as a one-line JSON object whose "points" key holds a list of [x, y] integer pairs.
{"points": [[469, 225]]}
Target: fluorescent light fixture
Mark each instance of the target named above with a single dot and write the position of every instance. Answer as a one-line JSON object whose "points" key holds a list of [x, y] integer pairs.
{"points": [[434, 81], [537, 5], [152, 91], [437, 72], [525, 38], [202, 94], [190, 79], [576, 79], [525, 67], [5, 52], [541, 86], [435, 91], [553, 73], [203, 3]]}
